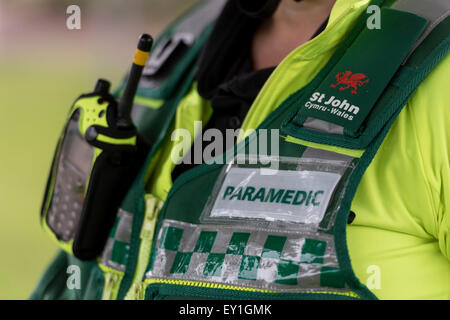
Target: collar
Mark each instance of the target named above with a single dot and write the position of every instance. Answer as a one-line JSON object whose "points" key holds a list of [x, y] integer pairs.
{"points": [[342, 18]]}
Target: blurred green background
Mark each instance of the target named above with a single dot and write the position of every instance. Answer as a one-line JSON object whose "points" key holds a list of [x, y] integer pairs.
{"points": [[43, 68]]}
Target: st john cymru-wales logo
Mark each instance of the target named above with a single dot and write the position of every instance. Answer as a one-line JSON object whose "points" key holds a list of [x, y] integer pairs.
{"points": [[353, 80], [331, 104]]}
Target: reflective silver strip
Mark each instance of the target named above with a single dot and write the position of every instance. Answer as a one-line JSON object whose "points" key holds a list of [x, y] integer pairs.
{"points": [[123, 231], [326, 155], [435, 11], [323, 126]]}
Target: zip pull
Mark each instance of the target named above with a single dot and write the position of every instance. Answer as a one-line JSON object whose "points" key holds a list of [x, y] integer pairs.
{"points": [[153, 207], [136, 292], [110, 283], [140, 292]]}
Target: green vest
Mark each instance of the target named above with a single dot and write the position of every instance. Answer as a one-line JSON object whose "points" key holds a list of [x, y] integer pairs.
{"points": [[208, 239]]}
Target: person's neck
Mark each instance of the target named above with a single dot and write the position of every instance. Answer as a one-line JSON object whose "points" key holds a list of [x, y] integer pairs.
{"points": [[292, 12], [292, 24]]}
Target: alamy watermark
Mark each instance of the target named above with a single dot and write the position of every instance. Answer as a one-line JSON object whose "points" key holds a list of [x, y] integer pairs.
{"points": [[374, 21], [374, 279], [73, 21], [74, 277], [215, 147]]}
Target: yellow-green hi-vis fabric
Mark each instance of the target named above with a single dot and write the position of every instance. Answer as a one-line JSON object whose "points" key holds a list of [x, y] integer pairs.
{"points": [[402, 225], [398, 243]]}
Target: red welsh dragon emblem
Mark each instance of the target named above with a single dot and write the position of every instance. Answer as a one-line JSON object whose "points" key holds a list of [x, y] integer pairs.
{"points": [[354, 80]]}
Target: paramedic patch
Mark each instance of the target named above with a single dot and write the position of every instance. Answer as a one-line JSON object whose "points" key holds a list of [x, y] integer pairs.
{"points": [[286, 195]]}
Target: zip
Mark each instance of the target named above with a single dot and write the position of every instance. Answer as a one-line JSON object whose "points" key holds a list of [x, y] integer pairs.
{"points": [[152, 209], [204, 285], [207, 285]]}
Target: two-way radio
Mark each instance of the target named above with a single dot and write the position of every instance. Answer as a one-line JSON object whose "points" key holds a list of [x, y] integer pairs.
{"points": [[96, 160]]}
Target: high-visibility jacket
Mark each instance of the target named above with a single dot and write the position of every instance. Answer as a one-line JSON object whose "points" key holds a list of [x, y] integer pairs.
{"points": [[399, 241]]}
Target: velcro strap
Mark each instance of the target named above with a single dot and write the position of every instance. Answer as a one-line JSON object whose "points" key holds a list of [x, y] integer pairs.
{"points": [[349, 92]]}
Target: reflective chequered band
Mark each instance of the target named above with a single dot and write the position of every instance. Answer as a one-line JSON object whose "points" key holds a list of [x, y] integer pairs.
{"points": [[261, 259], [116, 250]]}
